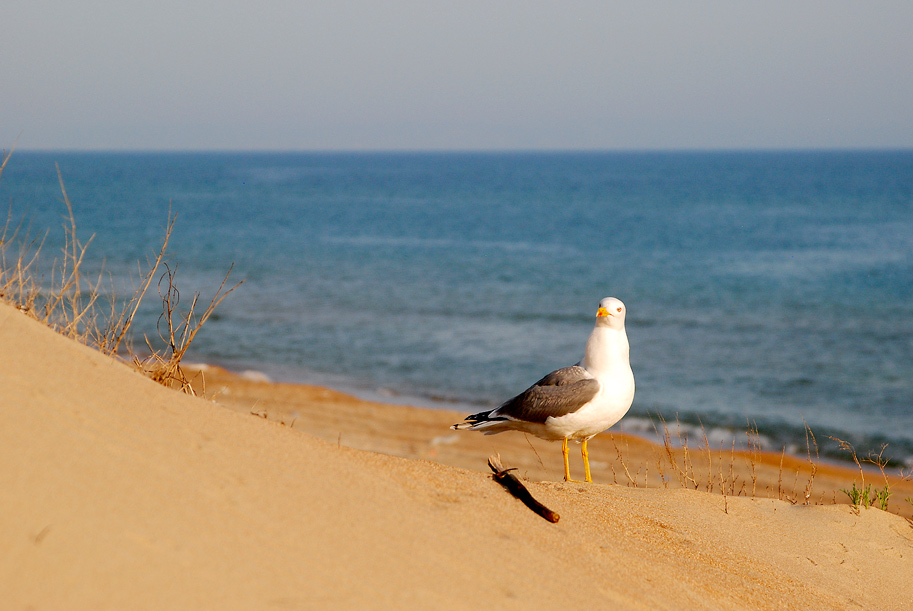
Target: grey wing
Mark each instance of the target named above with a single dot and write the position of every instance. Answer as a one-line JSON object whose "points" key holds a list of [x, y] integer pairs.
{"points": [[561, 392]]}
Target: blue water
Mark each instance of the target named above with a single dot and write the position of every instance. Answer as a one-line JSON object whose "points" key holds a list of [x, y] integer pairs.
{"points": [[769, 287]]}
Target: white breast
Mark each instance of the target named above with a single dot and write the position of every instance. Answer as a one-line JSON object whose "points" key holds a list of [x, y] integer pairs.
{"points": [[606, 358]]}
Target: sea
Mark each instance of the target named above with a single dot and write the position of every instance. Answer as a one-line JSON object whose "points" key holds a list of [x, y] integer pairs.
{"points": [[768, 290]]}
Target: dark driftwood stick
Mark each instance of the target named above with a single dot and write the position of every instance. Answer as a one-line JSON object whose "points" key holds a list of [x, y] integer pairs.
{"points": [[515, 487]]}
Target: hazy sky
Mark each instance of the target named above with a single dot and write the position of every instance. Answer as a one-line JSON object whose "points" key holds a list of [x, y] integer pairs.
{"points": [[466, 74]]}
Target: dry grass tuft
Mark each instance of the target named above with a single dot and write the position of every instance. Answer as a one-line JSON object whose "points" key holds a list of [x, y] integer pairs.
{"points": [[753, 472], [727, 470], [121, 319], [70, 304], [165, 367]]}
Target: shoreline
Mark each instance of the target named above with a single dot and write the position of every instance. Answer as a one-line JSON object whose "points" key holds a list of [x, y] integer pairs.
{"points": [[773, 436], [637, 425], [617, 456]]}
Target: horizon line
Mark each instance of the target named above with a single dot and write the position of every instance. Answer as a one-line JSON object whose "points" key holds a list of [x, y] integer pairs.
{"points": [[462, 151]]}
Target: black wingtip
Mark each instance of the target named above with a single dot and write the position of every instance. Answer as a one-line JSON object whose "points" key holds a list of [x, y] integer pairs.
{"points": [[484, 417]]}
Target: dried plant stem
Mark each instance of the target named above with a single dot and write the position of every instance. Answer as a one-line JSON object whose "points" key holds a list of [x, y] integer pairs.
{"points": [[70, 305], [119, 328], [754, 447], [709, 459], [845, 445], [166, 369], [685, 472], [809, 441], [68, 297], [621, 459], [539, 458], [6, 156], [780, 475]]}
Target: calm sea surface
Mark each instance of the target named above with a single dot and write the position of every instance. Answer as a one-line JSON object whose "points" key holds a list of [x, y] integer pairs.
{"points": [[775, 288]]}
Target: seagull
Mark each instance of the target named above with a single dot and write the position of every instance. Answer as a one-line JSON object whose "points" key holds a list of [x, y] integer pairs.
{"points": [[575, 402]]}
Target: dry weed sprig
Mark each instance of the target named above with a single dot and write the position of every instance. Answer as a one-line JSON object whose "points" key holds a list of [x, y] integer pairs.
{"points": [[879, 461], [723, 483], [7, 155], [64, 307], [120, 325], [17, 283], [809, 441], [686, 454], [659, 457], [69, 297], [882, 495], [621, 459], [18, 287], [794, 498], [754, 453], [847, 446], [732, 476], [661, 471], [539, 458], [670, 455], [70, 306], [166, 368], [780, 475], [685, 472], [865, 495], [709, 457]]}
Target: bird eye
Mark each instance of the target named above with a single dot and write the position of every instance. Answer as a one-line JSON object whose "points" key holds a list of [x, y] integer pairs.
{"points": [[619, 310]]}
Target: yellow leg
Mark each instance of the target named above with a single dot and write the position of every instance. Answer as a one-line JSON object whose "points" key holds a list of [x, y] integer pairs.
{"points": [[586, 461], [567, 467]]}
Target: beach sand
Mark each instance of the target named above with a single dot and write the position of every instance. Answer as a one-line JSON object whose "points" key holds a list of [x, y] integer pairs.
{"points": [[118, 493]]}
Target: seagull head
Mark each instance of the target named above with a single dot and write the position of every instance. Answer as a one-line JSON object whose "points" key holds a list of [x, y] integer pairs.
{"points": [[611, 313]]}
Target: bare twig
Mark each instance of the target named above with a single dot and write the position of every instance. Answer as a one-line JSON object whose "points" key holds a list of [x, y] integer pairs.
{"points": [[845, 445], [515, 487], [119, 327], [621, 459], [166, 369], [809, 442], [539, 458], [754, 447]]}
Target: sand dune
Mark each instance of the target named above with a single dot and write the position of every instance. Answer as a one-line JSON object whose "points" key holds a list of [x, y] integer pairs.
{"points": [[117, 493]]}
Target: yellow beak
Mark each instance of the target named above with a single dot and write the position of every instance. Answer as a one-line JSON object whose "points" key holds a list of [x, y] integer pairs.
{"points": [[602, 312]]}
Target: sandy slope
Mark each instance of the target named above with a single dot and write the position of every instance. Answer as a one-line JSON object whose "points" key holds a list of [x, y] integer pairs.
{"points": [[116, 493]]}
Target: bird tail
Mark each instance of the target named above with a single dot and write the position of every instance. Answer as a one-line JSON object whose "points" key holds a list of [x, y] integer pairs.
{"points": [[478, 421]]}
